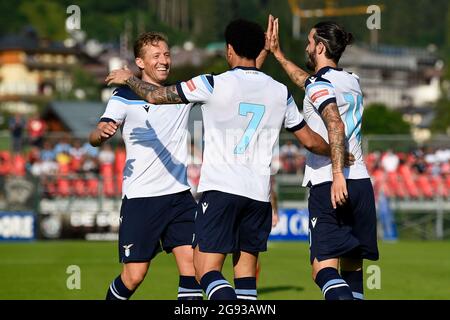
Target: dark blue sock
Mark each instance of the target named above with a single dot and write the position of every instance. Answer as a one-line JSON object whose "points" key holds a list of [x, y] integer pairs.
{"points": [[245, 288], [189, 289], [216, 287], [354, 280], [118, 291], [332, 285]]}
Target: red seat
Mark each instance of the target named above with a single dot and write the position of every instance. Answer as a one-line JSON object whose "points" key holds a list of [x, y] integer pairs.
{"points": [[106, 171], [447, 181], [393, 184], [18, 165], [5, 163], [424, 185], [92, 186], [438, 185], [397, 185], [119, 161], [79, 187], [109, 189], [63, 169], [407, 176], [75, 164], [63, 187]]}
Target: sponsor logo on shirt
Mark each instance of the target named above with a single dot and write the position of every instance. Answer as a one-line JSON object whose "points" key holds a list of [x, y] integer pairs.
{"points": [[319, 94], [191, 85]]}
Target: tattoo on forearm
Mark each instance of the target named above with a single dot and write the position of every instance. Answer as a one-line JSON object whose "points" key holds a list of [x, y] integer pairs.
{"points": [[152, 93], [166, 95], [141, 88], [297, 75], [336, 136]]}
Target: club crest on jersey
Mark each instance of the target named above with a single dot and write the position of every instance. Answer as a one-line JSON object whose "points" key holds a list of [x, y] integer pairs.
{"points": [[191, 85], [146, 107], [127, 249]]}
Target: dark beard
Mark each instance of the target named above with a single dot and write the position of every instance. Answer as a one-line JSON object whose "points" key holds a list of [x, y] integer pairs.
{"points": [[311, 62]]}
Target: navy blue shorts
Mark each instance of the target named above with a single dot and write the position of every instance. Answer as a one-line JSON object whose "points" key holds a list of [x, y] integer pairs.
{"points": [[148, 223], [228, 223], [348, 231]]}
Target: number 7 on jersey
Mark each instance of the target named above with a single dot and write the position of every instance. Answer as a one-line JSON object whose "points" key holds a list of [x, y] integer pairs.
{"points": [[257, 111]]}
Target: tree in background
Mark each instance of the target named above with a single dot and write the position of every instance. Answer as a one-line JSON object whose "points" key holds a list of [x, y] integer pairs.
{"points": [[441, 121], [48, 17], [379, 119]]}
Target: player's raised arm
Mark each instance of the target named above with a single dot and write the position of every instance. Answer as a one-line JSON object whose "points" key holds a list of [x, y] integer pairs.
{"points": [[266, 50], [297, 75], [147, 91], [197, 90]]}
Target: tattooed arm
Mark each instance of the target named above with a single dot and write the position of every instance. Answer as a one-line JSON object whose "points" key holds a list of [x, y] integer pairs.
{"points": [[336, 138], [297, 75], [147, 91], [152, 93]]}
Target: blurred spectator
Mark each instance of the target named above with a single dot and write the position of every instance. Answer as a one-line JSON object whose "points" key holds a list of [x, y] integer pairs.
{"points": [[389, 161], [63, 158], [47, 153], [90, 165], [445, 168], [63, 146], [290, 157], [36, 130], [106, 154], [34, 155], [420, 165], [77, 151], [44, 168], [90, 150], [16, 128]]}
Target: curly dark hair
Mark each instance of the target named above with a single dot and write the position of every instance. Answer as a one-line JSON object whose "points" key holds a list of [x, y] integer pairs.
{"points": [[247, 38]]}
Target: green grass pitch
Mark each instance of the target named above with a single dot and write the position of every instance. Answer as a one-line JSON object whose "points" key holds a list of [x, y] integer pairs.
{"points": [[37, 270]]}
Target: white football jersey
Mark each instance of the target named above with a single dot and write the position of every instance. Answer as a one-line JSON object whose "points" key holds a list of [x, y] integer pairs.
{"points": [[243, 111], [327, 86], [156, 141]]}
